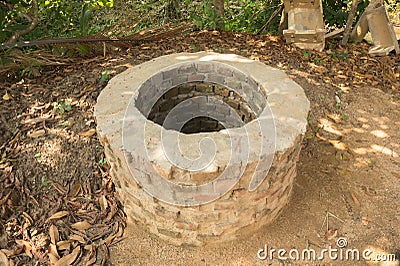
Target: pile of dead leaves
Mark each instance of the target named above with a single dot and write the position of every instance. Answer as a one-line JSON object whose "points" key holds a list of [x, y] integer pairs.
{"points": [[81, 229]]}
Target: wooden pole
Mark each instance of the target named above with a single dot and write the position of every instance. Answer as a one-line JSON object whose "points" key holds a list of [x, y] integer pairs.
{"points": [[271, 19], [349, 23], [361, 28]]}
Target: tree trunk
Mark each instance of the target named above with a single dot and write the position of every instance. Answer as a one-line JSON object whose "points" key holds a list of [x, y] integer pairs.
{"points": [[172, 10], [34, 19], [349, 23], [219, 12], [283, 25], [361, 28]]}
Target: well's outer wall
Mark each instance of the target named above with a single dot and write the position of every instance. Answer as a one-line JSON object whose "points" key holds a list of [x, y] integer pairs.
{"points": [[223, 218]]}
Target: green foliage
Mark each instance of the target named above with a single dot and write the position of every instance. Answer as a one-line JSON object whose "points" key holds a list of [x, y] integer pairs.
{"points": [[337, 11], [240, 16], [63, 18], [61, 107], [45, 182], [310, 56], [250, 15], [203, 14], [306, 54], [339, 55], [57, 18], [103, 161], [13, 17], [105, 76], [318, 61], [32, 70]]}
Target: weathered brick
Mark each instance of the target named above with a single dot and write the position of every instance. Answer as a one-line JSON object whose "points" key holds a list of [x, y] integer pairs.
{"points": [[203, 177], [225, 71], [186, 226], [203, 67], [222, 91], [187, 69], [224, 205], [169, 74], [185, 89], [240, 76], [224, 185], [177, 80], [215, 78], [148, 214], [172, 93], [133, 199], [206, 238], [207, 217], [205, 197], [196, 77], [233, 84], [261, 213], [167, 214], [169, 233], [157, 79]]}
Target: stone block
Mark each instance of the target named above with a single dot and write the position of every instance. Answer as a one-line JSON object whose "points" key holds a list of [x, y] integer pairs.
{"points": [[306, 28], [169, 233], [382, 32], [224, 71], [196, 77], [203, 67], [187, 69], [215, 78]]}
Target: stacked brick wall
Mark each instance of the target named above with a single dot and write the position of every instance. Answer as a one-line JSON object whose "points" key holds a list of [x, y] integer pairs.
{"points": [[237, 211]]}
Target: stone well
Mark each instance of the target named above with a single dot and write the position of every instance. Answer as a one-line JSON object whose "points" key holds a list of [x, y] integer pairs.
{"points": [[203, 146]]}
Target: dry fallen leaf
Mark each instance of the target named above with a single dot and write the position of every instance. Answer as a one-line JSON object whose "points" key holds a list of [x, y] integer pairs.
{"points": [[70, 258], [37, 133], [28, 218], [52, 258], [58, 215], [76, 188], [330, 234], [3, 259], [338, 145], [335, 118], [15, 251], [54, 235], [88, 133], [364, 220], [91, 255], [110, 239], [64, 245], [26, 245], [78, 238], [356, 201], [52, 249], [81, 225], [6, 97], [397, 175]]}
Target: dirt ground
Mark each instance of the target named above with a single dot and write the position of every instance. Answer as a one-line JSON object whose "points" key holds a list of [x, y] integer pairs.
{"points": [[348, 173]]}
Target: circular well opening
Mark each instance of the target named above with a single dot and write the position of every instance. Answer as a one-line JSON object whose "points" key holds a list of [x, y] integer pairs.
{"points": [[200, 97]]}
